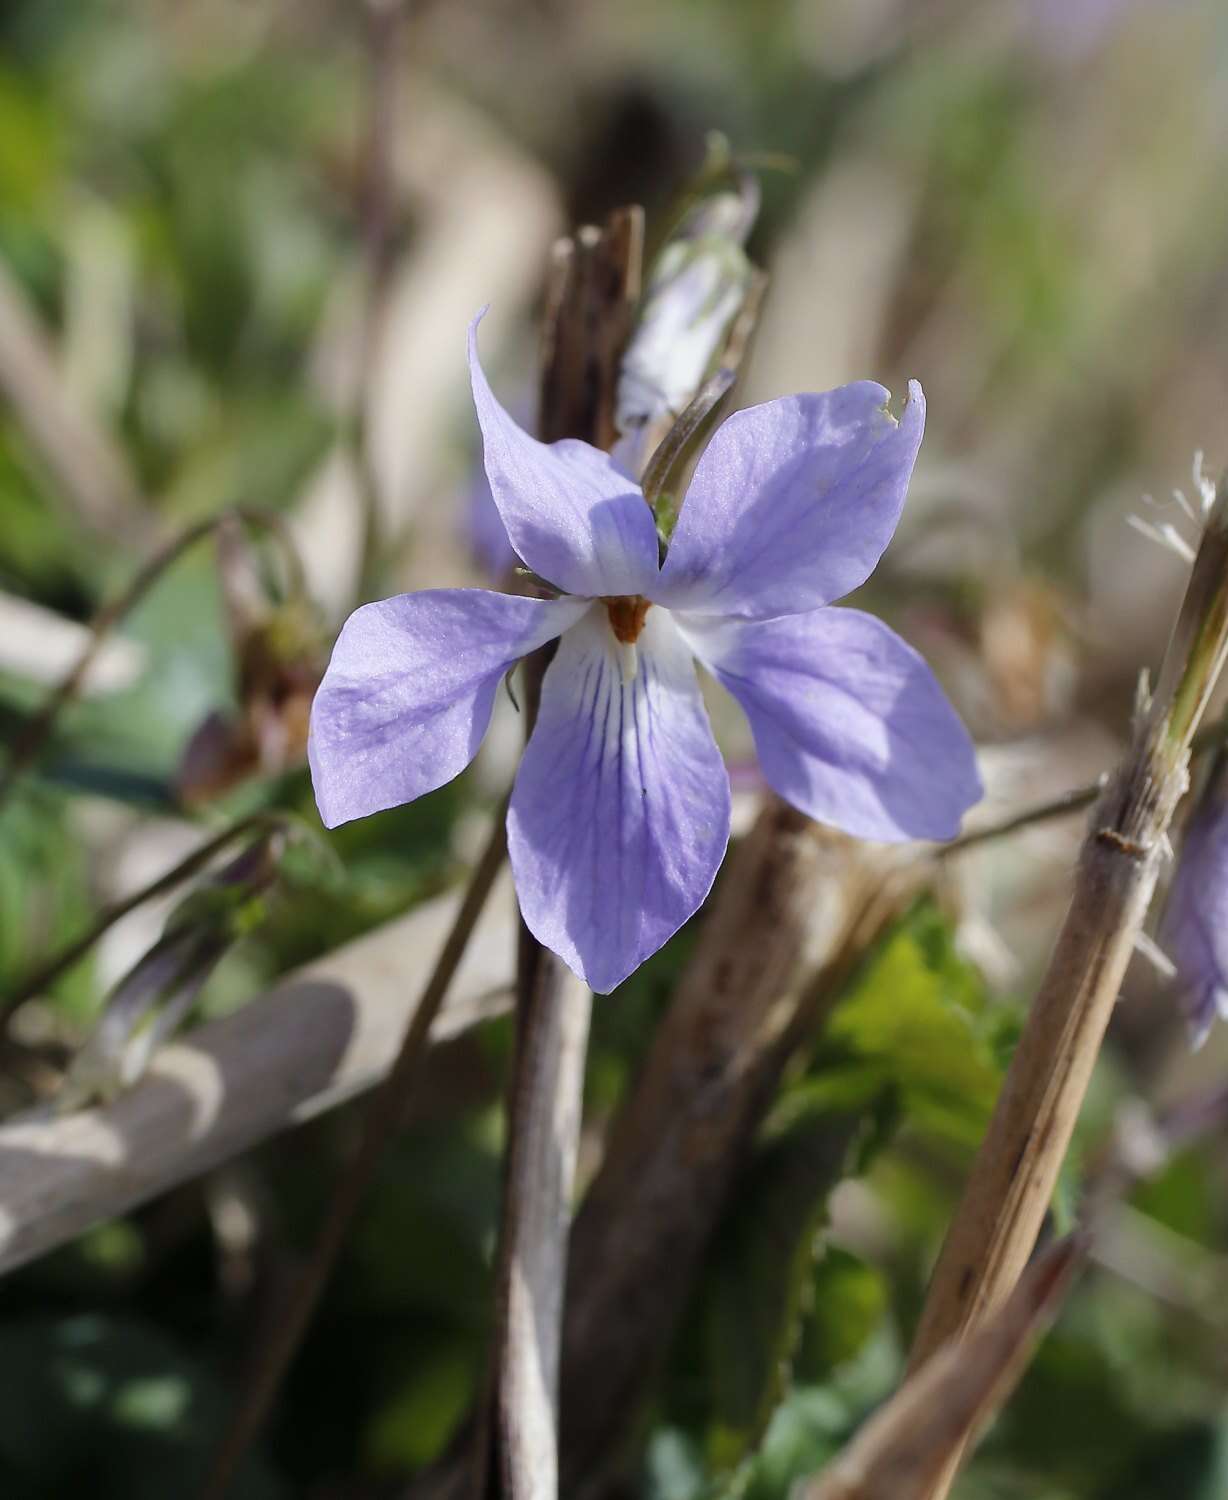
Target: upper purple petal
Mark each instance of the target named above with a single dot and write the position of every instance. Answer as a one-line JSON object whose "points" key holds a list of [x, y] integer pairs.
{"points": [[409, 690], [573, 516], [620, 813], [850, 724], [793, 503]]}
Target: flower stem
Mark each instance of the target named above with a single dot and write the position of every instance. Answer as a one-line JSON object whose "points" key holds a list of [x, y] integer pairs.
{"points": [[1013, 1177], [593, 287], [385, 24]]}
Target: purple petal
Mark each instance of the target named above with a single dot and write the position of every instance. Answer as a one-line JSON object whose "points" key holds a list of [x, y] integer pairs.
{"points": [[409, 690], [577, 521], [793, 503], [849, 722], [1194, 931], [620, 813]]}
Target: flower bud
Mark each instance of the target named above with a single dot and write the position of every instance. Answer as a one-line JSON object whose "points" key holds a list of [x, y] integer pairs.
{"points": [[694, 293], [155, 995]]}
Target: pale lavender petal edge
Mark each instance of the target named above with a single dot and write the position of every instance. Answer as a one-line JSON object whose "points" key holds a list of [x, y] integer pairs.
{"points": [[409, 691], [793, 503], [849, 722], [570, 512]]}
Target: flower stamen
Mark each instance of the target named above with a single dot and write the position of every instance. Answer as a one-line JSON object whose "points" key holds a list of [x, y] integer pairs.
{"points": [[627, 614]]}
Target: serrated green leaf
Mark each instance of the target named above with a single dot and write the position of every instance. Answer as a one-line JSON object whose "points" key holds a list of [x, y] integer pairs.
{"points": [[917, 1021], [758, 1284]]}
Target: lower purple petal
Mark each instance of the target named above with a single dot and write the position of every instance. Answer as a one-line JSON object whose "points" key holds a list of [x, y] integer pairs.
{"points": [[620, 813], [850, 724], [409, 691]]}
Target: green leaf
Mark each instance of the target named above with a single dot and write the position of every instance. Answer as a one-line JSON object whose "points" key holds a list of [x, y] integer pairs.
{"points": [[758, 1287], [918, 1021], [1191, 1462], [849, 1303], [111, 1407], [44, 888]]}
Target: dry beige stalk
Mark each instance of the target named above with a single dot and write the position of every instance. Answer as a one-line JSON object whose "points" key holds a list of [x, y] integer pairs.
{"points": [[1015, 1171], [591, 296], [908, 1443], [713, 1069]]}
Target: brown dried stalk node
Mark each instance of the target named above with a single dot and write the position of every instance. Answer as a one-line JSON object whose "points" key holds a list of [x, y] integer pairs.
{"points": [[1013, 1177]]}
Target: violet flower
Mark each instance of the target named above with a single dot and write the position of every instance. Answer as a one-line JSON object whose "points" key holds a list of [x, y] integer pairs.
{"points": [[1194, 930], [619, 816]]}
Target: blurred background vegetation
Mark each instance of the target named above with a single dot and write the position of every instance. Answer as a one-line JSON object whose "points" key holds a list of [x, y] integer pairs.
{"points": [[240, 241]]}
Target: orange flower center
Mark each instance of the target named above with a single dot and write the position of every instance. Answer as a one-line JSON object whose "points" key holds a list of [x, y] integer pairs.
{"points": [[627, 614]]}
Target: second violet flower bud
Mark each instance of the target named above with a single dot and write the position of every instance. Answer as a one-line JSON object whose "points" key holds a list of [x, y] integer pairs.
{"points": [[1194, 929]]}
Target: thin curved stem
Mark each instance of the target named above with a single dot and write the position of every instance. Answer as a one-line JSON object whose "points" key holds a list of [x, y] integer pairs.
{"points": [[38, 728], [1212, 737], [1062, 806], [50, 971]]}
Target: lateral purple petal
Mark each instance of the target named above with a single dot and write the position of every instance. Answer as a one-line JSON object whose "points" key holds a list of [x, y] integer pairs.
{"points": [[620, 813], [577, 521], [1194, 931], [850, 724], [409, 690], [793, 503]]}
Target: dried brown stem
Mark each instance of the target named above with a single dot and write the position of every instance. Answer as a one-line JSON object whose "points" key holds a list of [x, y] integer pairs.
{"points": [[551, 1045], [593, 287], [382, 1115], [1076, 800], [906, 1443], [1015, 1171], [743, 1007]]}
